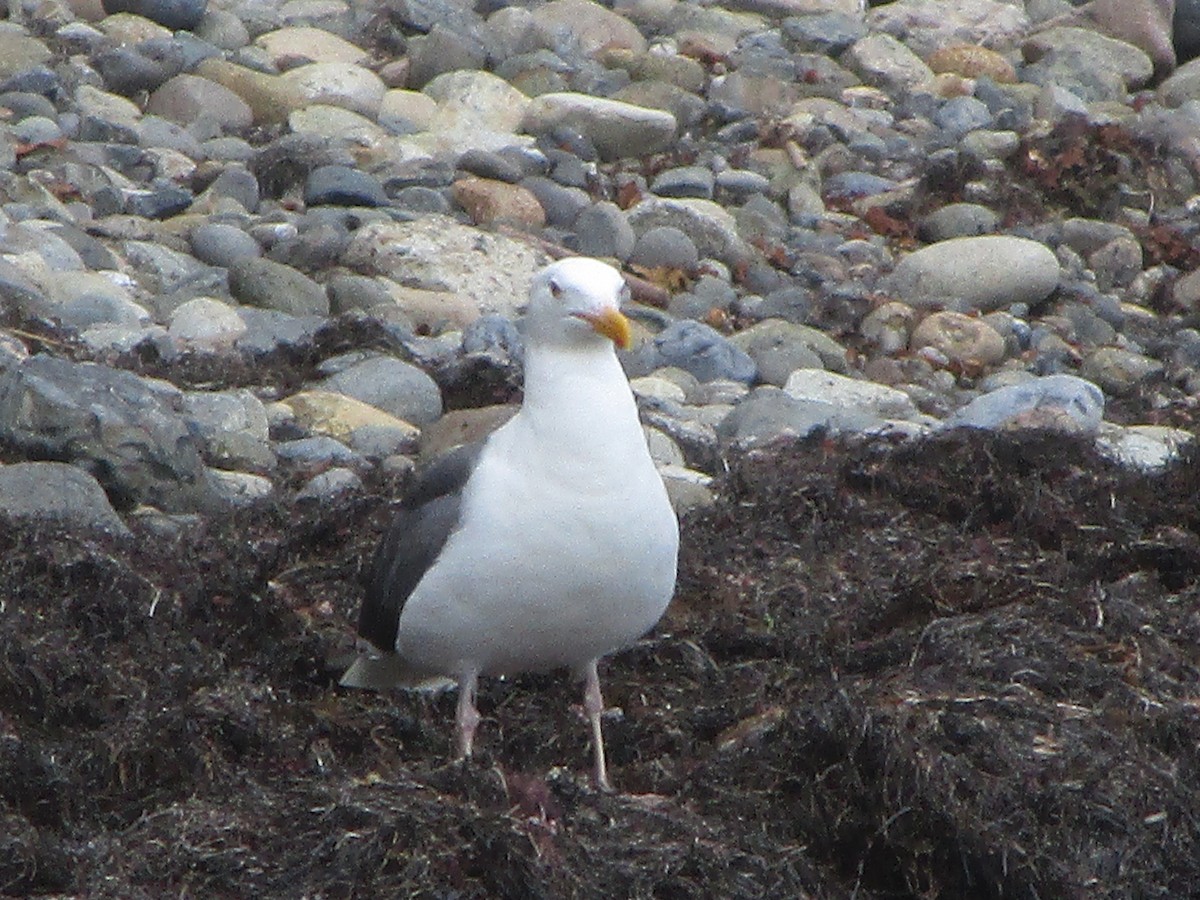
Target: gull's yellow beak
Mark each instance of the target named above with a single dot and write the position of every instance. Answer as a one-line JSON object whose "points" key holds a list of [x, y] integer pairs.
{"points": [[612, 324]]}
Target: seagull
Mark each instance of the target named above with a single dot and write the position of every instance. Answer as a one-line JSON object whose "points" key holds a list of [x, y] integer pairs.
{"points": [[549, 544]]}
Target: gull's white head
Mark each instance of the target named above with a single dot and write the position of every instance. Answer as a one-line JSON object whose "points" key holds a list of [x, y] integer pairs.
{"points": [[576, 302]]}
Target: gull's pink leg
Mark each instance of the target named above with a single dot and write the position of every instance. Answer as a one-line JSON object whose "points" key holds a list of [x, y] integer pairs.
{"points": [[593, 705], [468, 715]]}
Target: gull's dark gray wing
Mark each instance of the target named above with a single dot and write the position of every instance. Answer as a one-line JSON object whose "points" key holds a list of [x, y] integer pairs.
{"points": [[428, 515]]}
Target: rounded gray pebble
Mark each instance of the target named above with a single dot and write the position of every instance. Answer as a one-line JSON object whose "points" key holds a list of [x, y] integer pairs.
{"points": [[219, 244], [270, 285], [685, 181], [343, 186], [420, 199], [665, 247], [561, 204], [603, 230], [174, 14], [958, 220], [396, 387], [349, 292]]}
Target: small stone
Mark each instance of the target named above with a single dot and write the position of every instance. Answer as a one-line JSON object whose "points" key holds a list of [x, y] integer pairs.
{"points": [[219, 244], [779, 348], [695, 348], [356, 292], [317, 452], [983, 273], [616, 129], [882, 60], [961, 339], [819, 386], [712, 229], [769, 413], [271, 285], [338, 416], [824, 32], [241, 490], [685, 181], [304, 43], [591, 25], [396, 387], [58, 493], [343, 186], [206, 324], [1119, 372], [142, 67], [972, 61], [346, 85], [174, 14], [490, 203], [233, 426], [1145, 447], [442, 50], [602, 230], [889, 326], [186, 99], [665, 247], [958, 220], [1062, 402], [329, 485]]}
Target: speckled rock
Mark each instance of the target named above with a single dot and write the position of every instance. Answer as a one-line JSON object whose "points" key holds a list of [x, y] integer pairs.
{"points": [[961, 339]]}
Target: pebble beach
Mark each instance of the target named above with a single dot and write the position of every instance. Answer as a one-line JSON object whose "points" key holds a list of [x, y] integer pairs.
{"points": [[887, 219]]}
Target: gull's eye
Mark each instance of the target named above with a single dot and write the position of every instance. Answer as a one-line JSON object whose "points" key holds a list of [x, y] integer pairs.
{"points": [[555, 290]]}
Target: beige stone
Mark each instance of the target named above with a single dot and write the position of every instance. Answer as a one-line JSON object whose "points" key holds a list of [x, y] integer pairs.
{"points": [[337, 415]]}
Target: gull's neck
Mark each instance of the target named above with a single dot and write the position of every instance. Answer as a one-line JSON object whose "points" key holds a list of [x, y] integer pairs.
{"points": [[578, 393]]}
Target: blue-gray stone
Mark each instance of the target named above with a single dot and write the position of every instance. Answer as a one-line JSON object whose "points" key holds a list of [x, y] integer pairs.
{"points": [[175, 14], [420, 199], [142, 67], [856, 184], [684, 181], [496, 336], [562, 204], [317, 451], [158, 203], [329, 485], [1079, 399], [696, 348], [396, 387], [270, 285], [486, 164], [221, 244], [959, 115], [665, 246], [828, 33], [603, 230], [343, 186]]}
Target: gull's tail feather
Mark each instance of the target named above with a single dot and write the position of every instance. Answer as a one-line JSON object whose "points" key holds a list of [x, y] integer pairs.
{"points": [[384, 671]]}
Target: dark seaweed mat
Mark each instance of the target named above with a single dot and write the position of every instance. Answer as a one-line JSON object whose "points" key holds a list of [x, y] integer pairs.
{"points": [[961, 668]]}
